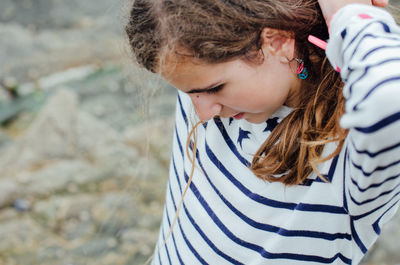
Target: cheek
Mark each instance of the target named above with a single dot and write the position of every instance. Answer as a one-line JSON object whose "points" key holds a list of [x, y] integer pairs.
{"points": [[259, 90], [264, 97]]}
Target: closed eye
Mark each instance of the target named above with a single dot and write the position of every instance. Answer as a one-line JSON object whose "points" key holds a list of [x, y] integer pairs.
{"points": [[214, 90], [208, 90]]}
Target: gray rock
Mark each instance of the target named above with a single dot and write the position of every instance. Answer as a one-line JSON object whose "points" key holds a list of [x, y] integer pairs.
{"points": [[21, 234], [56, 177], [48, 136], [130, 237], [96, 247], [153, 140], [7, 214], [54, 13], [31, 54], [61, 132], [115, 212], [64, 208], [21, 204], [76, 230], [54, 252], [4, 95], [9, 191], [4, 139]]}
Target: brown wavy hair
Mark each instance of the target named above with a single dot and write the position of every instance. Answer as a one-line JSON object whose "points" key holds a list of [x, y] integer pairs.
{"points": [[216, 31]]}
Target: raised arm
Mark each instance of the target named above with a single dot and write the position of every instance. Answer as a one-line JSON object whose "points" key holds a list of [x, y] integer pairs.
{"points": [[330, 7], [364, 45]]}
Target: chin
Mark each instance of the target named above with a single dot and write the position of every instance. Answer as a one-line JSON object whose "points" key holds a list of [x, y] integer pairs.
{"points": [[255, 120]]}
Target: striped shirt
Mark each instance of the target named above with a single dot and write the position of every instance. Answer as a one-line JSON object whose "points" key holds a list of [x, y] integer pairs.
{"points": [[229, 216]]}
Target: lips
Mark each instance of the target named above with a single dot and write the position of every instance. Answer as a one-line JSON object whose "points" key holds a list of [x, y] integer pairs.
{"points": [[238, 116]]}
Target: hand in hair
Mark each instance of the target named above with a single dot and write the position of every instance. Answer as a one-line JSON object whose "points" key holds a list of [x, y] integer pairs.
{"points": [[330, 7], [380, 3]]}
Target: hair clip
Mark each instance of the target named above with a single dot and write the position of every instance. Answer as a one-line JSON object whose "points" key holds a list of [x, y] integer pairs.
{"points": [[317, 42], [320, 43]]}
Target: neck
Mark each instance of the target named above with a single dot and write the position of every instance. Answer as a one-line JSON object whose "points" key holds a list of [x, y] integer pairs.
{"points": [[293, 99]]}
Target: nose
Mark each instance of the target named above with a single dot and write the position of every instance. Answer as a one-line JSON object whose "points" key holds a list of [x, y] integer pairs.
{"points": [[206, 106]]}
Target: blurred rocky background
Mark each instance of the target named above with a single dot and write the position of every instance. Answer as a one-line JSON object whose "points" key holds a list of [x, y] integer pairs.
{"points": [[83, 157], [85, 139]]}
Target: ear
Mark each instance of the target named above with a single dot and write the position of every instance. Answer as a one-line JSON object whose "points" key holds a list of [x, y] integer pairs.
{"points": [[277, 42]]}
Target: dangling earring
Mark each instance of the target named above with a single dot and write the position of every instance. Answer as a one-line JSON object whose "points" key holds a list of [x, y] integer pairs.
{"points": [[301, 70]]}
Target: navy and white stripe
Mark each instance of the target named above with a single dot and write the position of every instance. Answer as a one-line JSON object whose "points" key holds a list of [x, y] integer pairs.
{"points": [[229, 216]]}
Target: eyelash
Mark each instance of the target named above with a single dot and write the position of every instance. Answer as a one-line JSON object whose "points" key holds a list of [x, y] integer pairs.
{"points": [[214, 90]]}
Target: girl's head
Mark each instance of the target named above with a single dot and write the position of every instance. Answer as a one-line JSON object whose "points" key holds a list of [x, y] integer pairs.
{"points": [[247, 46], [217, 31], [179, 39]]}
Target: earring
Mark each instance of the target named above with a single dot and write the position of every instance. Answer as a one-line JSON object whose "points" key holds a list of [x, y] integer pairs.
{"points": [[301, 70]]}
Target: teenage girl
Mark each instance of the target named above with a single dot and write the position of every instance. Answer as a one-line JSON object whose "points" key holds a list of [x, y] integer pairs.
{"points": [[294, 159]]}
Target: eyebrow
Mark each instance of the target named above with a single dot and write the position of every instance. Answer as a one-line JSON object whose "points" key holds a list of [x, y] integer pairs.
{"points": [[201, 90]]}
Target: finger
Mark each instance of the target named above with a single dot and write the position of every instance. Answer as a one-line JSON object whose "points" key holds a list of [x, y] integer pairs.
{"points": [[380, 3]]}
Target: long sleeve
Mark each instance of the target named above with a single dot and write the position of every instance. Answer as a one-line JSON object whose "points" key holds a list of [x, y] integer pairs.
{"points": [[366, 48]]}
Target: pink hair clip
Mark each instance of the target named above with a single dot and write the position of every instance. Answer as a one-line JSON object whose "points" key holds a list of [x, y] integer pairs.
{"points": [[317, 42], [320, 43]]}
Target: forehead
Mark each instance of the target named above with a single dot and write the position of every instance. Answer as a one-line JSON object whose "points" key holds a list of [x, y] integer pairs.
{"points": [[185, 73]]}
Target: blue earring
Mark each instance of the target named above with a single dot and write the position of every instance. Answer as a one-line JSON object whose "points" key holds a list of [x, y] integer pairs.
{"points": [[301, 70]]}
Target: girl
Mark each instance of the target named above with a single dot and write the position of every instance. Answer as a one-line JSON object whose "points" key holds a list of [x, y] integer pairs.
{"points": [[287, 165]]}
